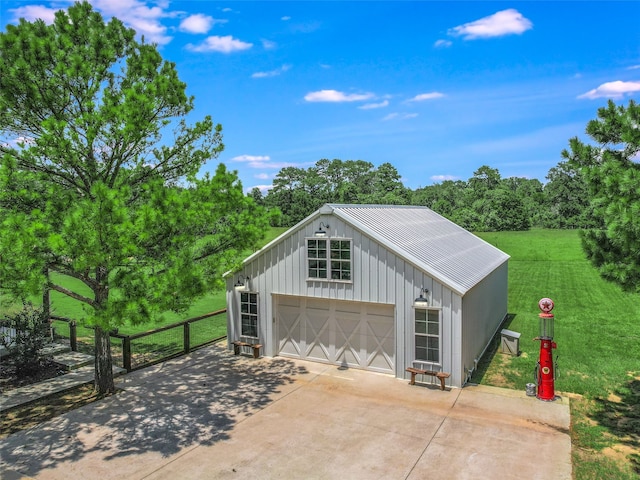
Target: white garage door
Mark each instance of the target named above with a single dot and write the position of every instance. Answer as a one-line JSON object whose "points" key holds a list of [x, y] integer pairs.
{"points": [[352, 334]]}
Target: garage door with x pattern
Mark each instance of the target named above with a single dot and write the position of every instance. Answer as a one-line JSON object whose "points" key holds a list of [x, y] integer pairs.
{"points": [[351, 334]]}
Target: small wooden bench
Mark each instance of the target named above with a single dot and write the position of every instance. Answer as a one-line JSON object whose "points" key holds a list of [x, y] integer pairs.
{"points": [[256, 348], [416, 371]]}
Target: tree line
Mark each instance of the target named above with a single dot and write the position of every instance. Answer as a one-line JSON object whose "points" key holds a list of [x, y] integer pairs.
{"points": [[594, 188], [484, 202]]}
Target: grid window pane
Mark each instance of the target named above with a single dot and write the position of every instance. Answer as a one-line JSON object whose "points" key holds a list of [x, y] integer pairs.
{"points": [[249, 314], [432, 356], [317, 258], [433, 328], [427, 335], [341, 259], [330, 259]]}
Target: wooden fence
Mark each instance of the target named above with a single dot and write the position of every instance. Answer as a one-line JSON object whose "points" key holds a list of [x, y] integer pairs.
{"points": [[146, 348]]}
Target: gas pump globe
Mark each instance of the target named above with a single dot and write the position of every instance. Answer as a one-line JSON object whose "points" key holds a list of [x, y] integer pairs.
{"points": [[545, 371]]}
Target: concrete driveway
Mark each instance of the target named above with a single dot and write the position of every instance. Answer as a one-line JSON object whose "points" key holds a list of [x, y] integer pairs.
{"points": [[214, 415]]}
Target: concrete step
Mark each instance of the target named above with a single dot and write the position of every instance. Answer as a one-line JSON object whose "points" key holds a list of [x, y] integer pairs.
{"points": [[73, 360], [30, 393], [48, 350], [55, 349]]}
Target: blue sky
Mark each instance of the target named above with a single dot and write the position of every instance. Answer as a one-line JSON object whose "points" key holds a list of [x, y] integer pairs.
{"points": [[437, 89]]}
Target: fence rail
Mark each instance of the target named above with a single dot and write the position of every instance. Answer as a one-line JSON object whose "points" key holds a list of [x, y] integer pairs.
{"points": [[152, 346]]}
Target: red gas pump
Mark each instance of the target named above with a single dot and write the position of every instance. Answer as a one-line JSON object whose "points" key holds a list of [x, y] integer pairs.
{"points": [[545, 372]]}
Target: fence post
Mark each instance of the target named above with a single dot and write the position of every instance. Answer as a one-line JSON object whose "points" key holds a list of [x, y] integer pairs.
{"points": [[187, 339], [126, 353], [73, 336]]}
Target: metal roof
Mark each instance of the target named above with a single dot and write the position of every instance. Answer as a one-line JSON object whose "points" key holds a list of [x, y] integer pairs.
{"points": [[444, 250]]}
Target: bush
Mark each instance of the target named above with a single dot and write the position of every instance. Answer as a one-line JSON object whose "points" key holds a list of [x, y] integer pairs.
{"points": [[31, 329]]}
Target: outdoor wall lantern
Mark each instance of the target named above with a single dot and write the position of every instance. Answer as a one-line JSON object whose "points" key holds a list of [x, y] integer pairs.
{"points": [[242, 283], [421, 301], [320, 232]]}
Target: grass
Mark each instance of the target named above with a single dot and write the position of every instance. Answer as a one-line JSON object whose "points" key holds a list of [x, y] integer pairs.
{"points": [[64, 306], [597, 329]]}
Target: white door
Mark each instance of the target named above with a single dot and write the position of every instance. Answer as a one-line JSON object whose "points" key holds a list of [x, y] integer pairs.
{"points": [[351, 334]]}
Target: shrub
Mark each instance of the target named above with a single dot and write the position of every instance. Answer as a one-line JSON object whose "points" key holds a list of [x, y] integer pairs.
{"points": [[31, 329]]}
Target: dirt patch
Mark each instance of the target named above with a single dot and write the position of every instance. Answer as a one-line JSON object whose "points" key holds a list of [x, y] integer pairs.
{"points": [[580, 375], [614, 398], [619, 453], [10, 379], [494, 374], [34, 413], [607, 429]]}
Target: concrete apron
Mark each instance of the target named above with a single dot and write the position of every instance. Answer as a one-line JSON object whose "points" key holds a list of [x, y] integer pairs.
{"points": [[214, 415]]}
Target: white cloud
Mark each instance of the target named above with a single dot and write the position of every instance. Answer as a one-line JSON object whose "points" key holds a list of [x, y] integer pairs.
{"points": [[34, 12], [269, 45], [369, 106], [262, 162], [442, 43], [251, 158], [264, 189], [227, 9], [426, 96], [616, 89], [336, 96], [137, 15], [226, 44], [271, 73], [442, 178], [146, 21], [505, 22], [198, 23], [258, 161], [285, 18], [633, 67], [262, 176], [399, 116]]}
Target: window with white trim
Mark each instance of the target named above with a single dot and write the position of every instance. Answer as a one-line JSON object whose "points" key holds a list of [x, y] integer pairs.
{"points": [[329, 259], [249, 314], [427, 335]]}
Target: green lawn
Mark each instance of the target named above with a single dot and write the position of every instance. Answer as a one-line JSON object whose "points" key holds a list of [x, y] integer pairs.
{"points": [[597, 330], [65, 306]]}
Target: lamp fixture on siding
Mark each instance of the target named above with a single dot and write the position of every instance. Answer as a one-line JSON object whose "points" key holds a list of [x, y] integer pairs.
{"points": [[320, 232], [242, 283], [421, 301]]}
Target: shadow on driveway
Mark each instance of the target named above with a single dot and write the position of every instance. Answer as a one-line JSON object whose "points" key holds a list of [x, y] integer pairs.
{"points": [[190, 401]]}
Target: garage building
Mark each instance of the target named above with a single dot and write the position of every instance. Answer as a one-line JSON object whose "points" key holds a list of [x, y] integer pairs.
{"points": [[375, 287]]}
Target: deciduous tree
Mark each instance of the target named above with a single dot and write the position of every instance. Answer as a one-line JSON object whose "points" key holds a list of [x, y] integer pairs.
{"points": [[567, 199]]}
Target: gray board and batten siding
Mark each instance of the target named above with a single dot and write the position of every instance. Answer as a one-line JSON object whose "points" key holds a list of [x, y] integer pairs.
{"points": [[396, 250]]}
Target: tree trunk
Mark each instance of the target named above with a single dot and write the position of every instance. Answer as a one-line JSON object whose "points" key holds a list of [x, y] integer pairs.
{"points": [[103, 363], [46, 305]]}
